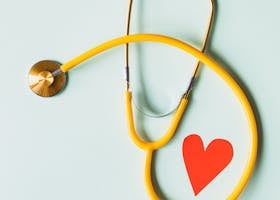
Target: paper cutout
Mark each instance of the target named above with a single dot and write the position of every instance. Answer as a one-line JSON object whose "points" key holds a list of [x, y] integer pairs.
{"points": [[203, 165]]}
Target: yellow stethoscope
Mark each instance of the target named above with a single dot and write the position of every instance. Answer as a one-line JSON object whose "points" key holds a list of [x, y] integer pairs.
{"points": [[54, 76]]}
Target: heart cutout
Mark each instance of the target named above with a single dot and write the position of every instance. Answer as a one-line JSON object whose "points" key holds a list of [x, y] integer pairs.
{"points": [[203, 165]]}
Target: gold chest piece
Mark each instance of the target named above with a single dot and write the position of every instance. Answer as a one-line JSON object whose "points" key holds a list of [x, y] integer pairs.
{"points": [[46, 79]]}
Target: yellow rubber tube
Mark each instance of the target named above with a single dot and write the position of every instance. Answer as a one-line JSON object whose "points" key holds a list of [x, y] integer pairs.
{"points": [[165, 138], [148, 176], [208, 62]]}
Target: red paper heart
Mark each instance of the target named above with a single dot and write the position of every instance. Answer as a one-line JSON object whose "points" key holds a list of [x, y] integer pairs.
{"points": [[204, 165]]}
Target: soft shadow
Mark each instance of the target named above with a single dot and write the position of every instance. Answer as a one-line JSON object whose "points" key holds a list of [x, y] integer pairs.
{"points": [[216, 56], [243, 86], [230, 69], [253, 104], [143, 96]]}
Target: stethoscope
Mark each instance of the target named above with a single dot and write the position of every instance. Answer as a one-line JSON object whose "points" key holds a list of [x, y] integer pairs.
{"points": [[48, 77]]}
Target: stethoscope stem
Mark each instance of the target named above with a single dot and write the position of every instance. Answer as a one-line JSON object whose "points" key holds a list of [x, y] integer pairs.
{"points": [[148, 175], [57, 72]]}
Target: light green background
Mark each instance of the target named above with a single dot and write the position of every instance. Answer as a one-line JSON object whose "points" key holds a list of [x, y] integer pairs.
{"points": [[76, 145]]}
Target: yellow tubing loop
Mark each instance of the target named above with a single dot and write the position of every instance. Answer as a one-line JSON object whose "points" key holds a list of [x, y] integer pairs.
{"points": [[149, 147]]}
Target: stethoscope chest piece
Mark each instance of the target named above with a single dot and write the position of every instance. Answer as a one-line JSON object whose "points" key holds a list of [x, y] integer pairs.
{"points": [[46, 79]]}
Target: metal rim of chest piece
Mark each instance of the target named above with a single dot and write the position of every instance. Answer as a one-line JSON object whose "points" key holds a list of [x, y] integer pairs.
{"points": [[46, 79]]}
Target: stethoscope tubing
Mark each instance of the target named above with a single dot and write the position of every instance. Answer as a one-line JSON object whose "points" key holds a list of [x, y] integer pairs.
{"points": [[151, 146]]}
